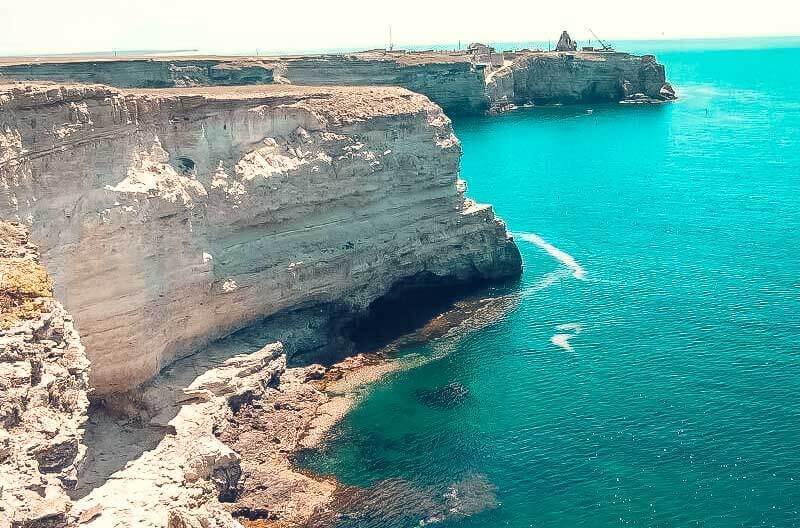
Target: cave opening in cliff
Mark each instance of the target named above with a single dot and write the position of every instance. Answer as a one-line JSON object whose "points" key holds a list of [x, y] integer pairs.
{"points": [[408, 305], [185, 165]]}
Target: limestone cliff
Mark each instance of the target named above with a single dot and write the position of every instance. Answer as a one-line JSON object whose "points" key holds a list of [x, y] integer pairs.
{"points": [[578, 77], [43, 387], [449, 80], [171, 218], [141, 73], [457, 81]]}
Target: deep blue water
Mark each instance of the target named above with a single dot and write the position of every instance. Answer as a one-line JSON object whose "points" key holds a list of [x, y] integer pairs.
{"points": [[676, 402]]}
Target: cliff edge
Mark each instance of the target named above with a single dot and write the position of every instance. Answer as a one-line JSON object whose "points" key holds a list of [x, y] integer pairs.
{"points": [[577, 77], [43, 390], [170, 218], [461, 82]]}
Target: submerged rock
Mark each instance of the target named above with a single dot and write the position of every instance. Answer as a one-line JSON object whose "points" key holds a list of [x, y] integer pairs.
{"points": [[446, 397], [398, 503]]}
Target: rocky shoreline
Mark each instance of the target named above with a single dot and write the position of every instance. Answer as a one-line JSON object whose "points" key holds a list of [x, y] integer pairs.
{"points": [[168, 219], [232, 425], [228, 235], [208, 442]]}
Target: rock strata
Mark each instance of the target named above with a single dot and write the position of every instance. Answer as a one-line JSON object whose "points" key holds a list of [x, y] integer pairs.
{"points": [[460, 82], [578, 77], [171, 218], [143, 73], [43, 391]]}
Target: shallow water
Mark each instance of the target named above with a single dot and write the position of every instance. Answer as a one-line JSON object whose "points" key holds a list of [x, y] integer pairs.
{"points": [[650, 372]]}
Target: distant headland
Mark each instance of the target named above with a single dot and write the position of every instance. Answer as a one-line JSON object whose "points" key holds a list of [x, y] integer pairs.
{"points": [[474, 80]]}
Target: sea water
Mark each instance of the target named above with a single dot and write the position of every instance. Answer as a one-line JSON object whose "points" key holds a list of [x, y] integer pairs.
{"points": [[649, 373]]}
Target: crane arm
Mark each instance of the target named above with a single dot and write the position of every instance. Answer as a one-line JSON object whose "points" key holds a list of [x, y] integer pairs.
{"points": [[598, 39]]}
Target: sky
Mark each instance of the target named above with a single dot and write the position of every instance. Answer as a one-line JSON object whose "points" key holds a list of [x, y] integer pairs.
{"points": [[243, 26]]}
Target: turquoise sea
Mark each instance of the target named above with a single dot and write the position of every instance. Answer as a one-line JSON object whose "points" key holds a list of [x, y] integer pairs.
{"points": [[649, 373]]}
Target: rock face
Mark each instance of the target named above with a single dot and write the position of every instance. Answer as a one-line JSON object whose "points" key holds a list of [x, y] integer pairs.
{"points": [[578, 77], [450, 81], [461, 83], [184, 480], [43, 387], [171, 218], [144, 73]]}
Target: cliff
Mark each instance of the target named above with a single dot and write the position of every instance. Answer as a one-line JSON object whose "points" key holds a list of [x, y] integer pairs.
{"points": [[578, 77], [171, 218], [43, 388], [450, 81], [140, 73], [458, 82]]}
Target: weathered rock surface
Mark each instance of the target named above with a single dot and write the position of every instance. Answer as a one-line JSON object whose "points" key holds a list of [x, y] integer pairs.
{"points": [[142, 73], [43, 387], [577, 77], [448, 80], [451, 81], [459, 82], [228, 425], [186, 477], [171, 218]]}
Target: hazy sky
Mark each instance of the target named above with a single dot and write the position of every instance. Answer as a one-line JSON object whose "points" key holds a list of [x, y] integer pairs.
{"points": [[58, 26]]}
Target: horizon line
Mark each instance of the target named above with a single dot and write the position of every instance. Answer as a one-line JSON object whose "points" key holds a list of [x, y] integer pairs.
{"points": [[356, 48]]}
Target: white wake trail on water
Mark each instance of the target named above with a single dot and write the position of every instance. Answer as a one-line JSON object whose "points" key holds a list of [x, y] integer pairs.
{"points": [[562, 256], [571, 267]]}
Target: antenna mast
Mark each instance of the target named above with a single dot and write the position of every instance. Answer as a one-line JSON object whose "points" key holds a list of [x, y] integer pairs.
{"points": [[391, 44]]}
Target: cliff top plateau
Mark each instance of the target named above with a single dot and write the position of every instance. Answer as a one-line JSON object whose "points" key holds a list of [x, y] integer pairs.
{"points": [[471, 81]]}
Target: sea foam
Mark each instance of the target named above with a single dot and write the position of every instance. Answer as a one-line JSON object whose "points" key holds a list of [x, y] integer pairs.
{"points": [[562, 340], [563, 257]]}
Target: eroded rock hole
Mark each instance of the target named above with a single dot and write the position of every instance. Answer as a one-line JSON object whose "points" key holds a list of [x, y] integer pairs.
{"points": [[185, 165]]}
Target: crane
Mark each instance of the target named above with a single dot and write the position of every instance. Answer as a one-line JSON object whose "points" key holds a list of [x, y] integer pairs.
{"points": [[605, 47]]}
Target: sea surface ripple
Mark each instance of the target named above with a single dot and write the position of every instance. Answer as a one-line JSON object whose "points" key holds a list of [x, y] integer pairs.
{"points": [[649, 374]]}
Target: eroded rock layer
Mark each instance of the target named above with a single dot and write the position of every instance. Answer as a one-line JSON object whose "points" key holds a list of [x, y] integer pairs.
{"points": [[142, 73], [458, 82], [43, 388], [449, 80], [171, 218], [578, 77]]}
